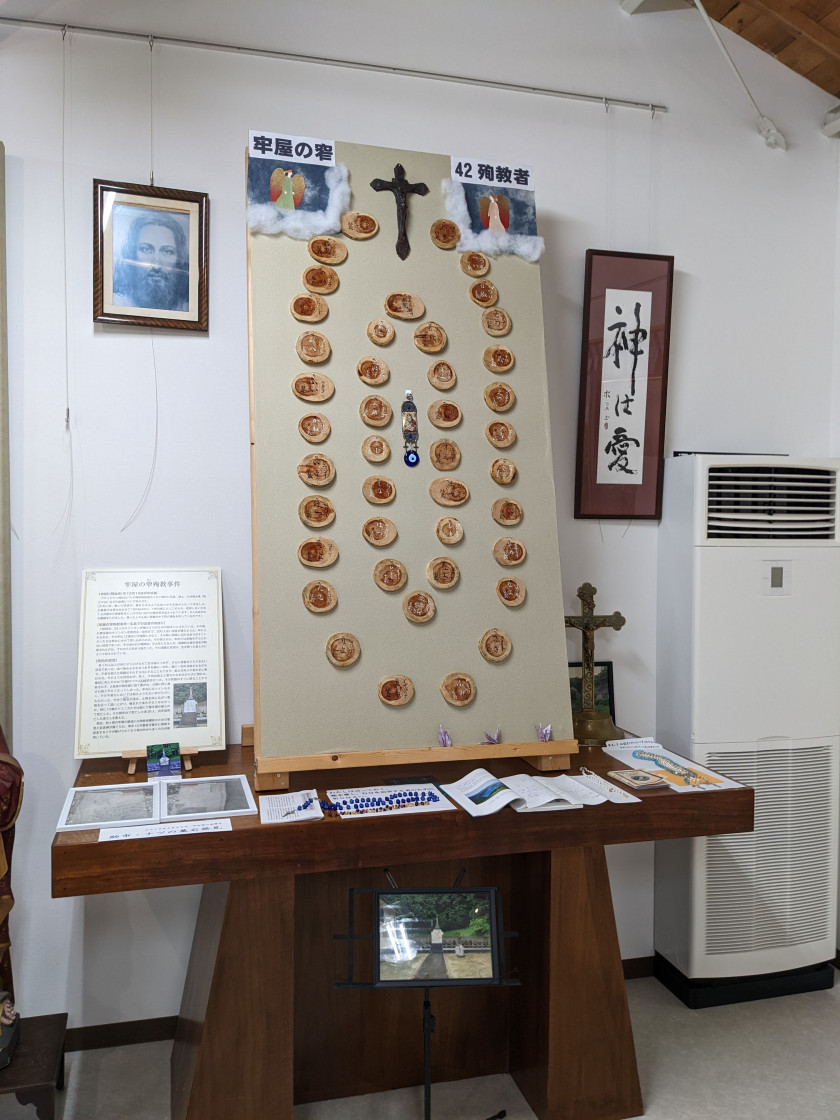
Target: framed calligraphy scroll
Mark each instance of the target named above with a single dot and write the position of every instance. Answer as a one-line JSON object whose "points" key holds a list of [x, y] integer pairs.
{"points": [[623, 382]]}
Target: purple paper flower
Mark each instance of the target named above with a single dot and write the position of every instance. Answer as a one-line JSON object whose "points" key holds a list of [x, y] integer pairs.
{"points": [[444, 738], [543, 733]]}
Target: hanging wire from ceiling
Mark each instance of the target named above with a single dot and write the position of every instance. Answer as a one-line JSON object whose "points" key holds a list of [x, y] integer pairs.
{"points": [[67, 511], [138, 509]]}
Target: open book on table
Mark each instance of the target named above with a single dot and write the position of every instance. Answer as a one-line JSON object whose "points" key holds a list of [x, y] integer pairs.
{"points": [[481, 794]]}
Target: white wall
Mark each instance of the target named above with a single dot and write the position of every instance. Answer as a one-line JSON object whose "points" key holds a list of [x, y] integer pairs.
{"points": [[753, 232]]}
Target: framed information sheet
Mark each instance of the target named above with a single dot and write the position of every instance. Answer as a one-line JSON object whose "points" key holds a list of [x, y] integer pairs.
{"points": [[150, 661]]}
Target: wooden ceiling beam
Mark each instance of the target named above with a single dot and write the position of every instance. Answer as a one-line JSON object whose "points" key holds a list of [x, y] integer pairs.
{"points": [[801, 25]]}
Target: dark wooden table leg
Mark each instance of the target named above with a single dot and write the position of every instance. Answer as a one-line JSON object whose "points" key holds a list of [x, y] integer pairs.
{"points": [[572, 1051], [234, 1043]]}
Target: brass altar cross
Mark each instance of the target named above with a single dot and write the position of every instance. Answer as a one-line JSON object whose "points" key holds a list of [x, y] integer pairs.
{"points": [[588, 622], [400, 187]]}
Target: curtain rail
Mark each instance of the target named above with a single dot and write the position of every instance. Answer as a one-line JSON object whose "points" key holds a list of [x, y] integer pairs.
{"points": [[286, 56]]}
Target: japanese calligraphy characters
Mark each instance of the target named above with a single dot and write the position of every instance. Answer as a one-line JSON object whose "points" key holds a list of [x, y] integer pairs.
{"points": [[623, 399]]}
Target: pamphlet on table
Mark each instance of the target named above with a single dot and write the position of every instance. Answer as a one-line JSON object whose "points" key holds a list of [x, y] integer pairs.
{"points": [[481, 794], [682, 774]]}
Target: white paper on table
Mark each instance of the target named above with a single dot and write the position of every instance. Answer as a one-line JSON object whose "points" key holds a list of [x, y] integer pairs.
{"points": [[540, 795], [175, 828], [285, 808], [605, 789]]}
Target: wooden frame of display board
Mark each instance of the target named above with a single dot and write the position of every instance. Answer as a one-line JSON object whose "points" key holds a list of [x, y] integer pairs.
{"points": [[310, 712]]}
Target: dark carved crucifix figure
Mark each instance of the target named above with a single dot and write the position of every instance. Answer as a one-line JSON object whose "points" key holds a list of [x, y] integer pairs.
{"points": [[401, 189], [588, 622]]}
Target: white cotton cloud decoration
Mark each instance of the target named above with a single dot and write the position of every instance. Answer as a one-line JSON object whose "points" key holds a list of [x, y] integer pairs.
{"points": [[493, 244], [264, 217]]}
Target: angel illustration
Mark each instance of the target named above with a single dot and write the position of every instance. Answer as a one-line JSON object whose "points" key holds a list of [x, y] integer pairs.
{"points": [[286, 187], [494, 211]]}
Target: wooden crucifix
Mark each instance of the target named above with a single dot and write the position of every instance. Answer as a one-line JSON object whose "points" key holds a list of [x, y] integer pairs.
{"points": [[401, 189], [588, 622]]}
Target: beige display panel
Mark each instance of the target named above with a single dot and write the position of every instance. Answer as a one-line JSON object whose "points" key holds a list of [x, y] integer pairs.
{"points": [[309, 710]]}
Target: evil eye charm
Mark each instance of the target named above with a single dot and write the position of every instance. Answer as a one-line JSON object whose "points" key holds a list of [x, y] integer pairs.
{"points": [[408, 414]]}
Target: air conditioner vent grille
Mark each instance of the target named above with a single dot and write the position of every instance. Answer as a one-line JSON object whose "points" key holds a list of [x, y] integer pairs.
{"points": [[771, 503], [774, 887]]}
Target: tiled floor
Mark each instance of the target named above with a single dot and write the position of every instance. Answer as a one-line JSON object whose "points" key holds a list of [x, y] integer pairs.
{"points": [[773, 1059]]}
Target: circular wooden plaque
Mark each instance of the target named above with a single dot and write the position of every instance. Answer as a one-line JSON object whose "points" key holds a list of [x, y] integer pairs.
{"points": [[474, 263], [458, 689], [390, 574], [506, 511], [320, 279], [511, 591], [376, 449], [379, 531], [496, 322], [358, 225], [318, 552], [484, 293], [314, 427], [498, 359], [316, 511], [316, 470], [499, 396], [309, 308], [503, 471], [372, 371], [404, 305], [418, 606], [445, 454], [379, 490], [449, 530], [508, 551], [443, 573], [313, 347], [328, 250], [315, 387], [380, 331], [449, 491], [343, 649], [444, 414], [442, 376], [495, 645], [430, 337], [395, 690], [445, 234], [319, 596]]}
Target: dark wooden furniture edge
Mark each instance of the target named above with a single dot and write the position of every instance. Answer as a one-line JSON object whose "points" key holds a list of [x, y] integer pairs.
{"points": [[81, 865]]}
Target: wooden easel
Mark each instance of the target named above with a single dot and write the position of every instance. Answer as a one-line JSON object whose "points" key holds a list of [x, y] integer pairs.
{"points": [[273, 773], [132, 758]]}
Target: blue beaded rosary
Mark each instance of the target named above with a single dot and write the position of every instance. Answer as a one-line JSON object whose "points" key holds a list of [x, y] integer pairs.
{"points": [[357, 806]]}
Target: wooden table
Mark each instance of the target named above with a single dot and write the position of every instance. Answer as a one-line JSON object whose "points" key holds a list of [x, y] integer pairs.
{"points": [[263, 1027]]}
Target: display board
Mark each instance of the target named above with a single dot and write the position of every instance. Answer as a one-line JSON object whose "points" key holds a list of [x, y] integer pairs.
{"points": [[386, 606]]}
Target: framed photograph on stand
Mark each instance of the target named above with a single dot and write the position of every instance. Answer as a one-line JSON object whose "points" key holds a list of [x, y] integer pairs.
{"points": [[150, 250], [436, 937], [623, 382], [604, 694]]}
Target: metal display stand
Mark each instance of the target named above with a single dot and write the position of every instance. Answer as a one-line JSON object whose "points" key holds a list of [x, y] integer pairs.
{"points": [[499, 980]]}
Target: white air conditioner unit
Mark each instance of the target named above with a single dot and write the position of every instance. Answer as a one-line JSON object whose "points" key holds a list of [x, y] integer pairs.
{"points": [[748, 683]]}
